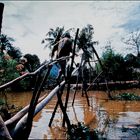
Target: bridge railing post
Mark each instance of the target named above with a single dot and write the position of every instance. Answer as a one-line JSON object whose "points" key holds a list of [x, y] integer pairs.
{"points": [[69, 74]]}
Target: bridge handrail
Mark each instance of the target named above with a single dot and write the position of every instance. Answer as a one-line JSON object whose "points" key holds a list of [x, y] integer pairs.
{"points": [[4, 86]]}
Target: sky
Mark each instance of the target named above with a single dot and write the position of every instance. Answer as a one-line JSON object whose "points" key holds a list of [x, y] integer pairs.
{"points": [[29, 21]]}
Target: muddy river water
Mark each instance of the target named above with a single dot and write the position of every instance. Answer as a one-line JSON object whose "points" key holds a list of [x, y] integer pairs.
{"points": [[113, 119]]}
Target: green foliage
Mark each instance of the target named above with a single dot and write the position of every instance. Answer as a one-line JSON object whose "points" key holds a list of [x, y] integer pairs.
{"points": [[2, 101], [9, 61], [33, 62], [115, 65], [9, 70], [81, 132], [54, 35], [127, 96], [85, 41], [5, 44], [132, 61]]}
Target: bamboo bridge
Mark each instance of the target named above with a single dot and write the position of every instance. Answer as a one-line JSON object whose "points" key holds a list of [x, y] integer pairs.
{"points": [[20, 125]]}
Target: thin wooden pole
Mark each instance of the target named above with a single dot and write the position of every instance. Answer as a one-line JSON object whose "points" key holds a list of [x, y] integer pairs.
{"points": [[69, 74], [53, 114], [106, 74], [56, 106], [34, 103], [84, 84], [77, 81], [95, 79], [1, 15], [4, 86], [64, 112], [4, 133], [22, 122], [12, 121]]}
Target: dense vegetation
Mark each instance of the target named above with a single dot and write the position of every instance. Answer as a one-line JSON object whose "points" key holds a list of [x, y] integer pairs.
{"points": [[11, 65]]}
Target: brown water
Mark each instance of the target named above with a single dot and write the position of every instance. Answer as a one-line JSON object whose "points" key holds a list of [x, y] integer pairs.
{"points": [[115, 119]]}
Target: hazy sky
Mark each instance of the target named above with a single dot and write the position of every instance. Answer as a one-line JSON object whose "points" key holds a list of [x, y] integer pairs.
{"points": [[28, 21]]}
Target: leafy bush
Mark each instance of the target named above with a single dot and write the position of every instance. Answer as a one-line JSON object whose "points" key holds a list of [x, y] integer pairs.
{"points": [[127, 96], [81, 132]]}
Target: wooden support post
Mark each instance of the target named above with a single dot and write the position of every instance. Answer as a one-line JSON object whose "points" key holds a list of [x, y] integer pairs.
{"points": [[34, 103], [69, 74], [53, 114], [22, 122], [106, 74], [1, 15], [84, 84], [64, 111], [77, 80], [56, 106], [12, 121], [4, 133]]}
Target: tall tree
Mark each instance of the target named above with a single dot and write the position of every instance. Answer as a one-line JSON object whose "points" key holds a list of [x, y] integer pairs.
{"points": [[6, 44], [54, 35], [86, 44], [115, 65], [133, 40]]}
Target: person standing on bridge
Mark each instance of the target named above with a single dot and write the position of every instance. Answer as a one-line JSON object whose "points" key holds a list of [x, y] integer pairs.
{"points": [[63, 48]]}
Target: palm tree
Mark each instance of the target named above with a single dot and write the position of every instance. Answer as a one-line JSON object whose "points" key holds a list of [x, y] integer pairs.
{"points": [[5, 44], [53, 36], [85, 43]]}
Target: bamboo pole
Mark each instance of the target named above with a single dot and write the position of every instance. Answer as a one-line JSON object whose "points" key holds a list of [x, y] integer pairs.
{"points": [[109, 95], [12, 121], [84, 91], [1, 15], [21, 124], [69, 74], [77, 80], [95, 79], [34, 101], [4, 86], [56, 106], [4, 133], [65, 116]]}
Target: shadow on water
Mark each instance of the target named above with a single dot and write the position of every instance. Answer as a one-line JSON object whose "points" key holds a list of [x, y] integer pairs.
{"points": [[113, 119]]}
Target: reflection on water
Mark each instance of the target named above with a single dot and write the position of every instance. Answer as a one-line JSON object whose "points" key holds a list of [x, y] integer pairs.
{"points": [[114, 119]]}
